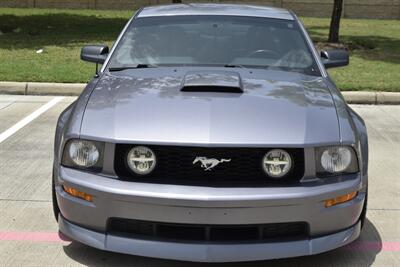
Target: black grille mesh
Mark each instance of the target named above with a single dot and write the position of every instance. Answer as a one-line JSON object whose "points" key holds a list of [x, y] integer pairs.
{"points": [[208, 233], [175, 166]]}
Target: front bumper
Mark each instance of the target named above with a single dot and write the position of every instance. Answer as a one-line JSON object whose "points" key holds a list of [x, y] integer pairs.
{"points": [[209, 252], [87, 221]]}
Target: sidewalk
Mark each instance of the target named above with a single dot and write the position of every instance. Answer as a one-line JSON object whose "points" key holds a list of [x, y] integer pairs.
{"points": [[74, 89]]}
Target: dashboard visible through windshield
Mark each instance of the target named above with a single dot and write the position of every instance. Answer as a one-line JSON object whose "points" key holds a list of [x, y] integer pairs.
{"points": [[230, 41]]}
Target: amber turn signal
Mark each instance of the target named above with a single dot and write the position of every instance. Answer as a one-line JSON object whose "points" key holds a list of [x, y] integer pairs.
{"points": [[341, 199], [76, 193]]}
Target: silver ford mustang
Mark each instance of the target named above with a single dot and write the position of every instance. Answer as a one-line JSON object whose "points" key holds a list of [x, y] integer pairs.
{"points": [[212, 133]]}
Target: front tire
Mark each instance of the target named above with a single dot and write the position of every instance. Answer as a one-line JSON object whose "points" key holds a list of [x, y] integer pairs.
{"points": [[363, 215], [56, 209]]}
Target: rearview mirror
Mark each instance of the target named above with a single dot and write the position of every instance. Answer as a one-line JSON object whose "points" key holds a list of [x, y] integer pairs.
{"points": [[95, 53], [335, 58]]}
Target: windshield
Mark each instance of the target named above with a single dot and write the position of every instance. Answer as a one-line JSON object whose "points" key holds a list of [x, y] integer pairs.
{"points": [[230, 41]]}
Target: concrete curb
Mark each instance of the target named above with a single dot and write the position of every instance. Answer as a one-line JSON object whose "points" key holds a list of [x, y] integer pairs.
{"points": [[74, 89], [372, 98], [13, 88], [33, 88]]}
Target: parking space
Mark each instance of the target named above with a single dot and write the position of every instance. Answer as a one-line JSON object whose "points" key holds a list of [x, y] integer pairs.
{"points": [[14, 107], [28, 231]]}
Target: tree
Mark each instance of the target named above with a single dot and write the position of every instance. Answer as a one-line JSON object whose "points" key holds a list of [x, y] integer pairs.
{"points": [[335, 21], [176, 1]]}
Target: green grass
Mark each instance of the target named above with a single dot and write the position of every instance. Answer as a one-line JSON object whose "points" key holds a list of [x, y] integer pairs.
{"points": [[61, 33], [375, 53], [374, 44]]}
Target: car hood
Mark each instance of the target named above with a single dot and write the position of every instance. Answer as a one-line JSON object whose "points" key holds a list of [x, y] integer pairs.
{"points": [[148, 106]]}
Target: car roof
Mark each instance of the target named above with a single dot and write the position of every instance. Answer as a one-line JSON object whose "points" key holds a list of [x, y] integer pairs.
{"points": [[216, 9]]}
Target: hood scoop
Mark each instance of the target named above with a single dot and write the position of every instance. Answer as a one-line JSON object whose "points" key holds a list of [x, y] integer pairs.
{"points": [[212, 81]]}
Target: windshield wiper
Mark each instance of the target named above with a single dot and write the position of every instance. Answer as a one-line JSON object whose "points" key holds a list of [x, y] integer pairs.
{"points": [[234, 66], [138, 66]]}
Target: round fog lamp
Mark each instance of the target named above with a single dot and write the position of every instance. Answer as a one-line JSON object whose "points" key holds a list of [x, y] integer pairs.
{"points": [[277, 163], [336, 159], [141, 160], [83, 153]]}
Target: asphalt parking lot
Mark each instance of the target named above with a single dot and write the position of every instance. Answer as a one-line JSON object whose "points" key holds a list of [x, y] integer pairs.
{"points": [[28, 231]]}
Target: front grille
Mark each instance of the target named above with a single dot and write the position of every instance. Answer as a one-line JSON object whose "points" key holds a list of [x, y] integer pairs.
{"points": [[209, 233], [175, 166]]}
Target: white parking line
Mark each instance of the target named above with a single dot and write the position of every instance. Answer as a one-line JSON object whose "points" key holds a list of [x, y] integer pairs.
{"points": [[25, 121]]}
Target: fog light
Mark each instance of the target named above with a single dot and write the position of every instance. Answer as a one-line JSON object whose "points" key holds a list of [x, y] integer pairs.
{"points": [[339, 200], [76, 193], [277, 163], [141, 160]]}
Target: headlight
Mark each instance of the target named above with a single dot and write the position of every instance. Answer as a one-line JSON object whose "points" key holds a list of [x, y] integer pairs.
{"points": [[336, 159], [277, 163], [83, 154], [141, 160]]}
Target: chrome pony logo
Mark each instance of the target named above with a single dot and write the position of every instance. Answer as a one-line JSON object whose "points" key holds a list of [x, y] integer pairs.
{"points": [[209, 164]]}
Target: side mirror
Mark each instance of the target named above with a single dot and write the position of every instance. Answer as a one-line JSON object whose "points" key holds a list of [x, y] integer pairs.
{"points": [[335, 58], [96, 54]]}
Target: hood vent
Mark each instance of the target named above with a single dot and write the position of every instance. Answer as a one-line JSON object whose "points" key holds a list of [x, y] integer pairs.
{"points": [[212, 81], [213, 89]]}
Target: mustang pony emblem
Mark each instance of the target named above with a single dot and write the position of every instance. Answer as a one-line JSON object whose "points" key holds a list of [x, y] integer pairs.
{"points": [[208, 164]]}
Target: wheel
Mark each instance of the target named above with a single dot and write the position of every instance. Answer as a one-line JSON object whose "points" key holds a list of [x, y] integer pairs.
{"points": [[363, 215], [56, 209]]}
